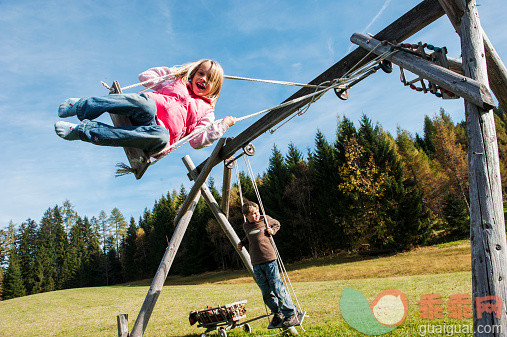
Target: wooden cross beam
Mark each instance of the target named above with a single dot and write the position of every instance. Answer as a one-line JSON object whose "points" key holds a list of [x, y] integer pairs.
{"points": [[461, 85], [407, 25]]}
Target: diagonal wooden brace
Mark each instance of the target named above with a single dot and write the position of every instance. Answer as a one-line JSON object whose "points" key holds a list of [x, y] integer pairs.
{"points": [[201, 179], [221, 218]]}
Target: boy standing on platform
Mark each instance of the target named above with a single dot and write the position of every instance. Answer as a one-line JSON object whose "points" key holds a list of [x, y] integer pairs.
{"points": [[264, 260]]}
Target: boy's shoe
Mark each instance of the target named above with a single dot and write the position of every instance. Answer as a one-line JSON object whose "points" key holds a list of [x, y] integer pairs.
{"points": [[66, 109], [277, 319], [290, 321]]}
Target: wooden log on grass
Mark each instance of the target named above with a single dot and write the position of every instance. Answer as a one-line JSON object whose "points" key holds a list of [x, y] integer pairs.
{"points": [[466, 87], [123, 325]]}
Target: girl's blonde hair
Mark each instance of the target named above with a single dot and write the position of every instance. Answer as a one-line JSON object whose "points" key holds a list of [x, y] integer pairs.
{"points": [[216, 79]]}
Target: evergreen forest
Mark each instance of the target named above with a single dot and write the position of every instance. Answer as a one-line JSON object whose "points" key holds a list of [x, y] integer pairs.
{"points": [[364, 191]]}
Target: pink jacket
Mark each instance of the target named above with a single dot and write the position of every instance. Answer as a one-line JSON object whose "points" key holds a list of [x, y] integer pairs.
{"points": [[181, 111]]}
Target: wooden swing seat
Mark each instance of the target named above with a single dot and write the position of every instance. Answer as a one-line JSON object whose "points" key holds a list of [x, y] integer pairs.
{"points": [[138, 159]]}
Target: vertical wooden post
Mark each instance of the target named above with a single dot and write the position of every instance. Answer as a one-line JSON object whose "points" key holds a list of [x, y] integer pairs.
{"points": [[226, 188], [221, 218], [487, 225], [123, 325], [163, 269]]}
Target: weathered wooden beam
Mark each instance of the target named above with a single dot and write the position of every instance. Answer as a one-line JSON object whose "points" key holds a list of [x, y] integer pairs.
{"points": [[221, 218], [138, 159], [487, 224], [455, 65], [123, 325], [163, 269], [497, 72], [465, 87], [407, 25], [226, 188]]}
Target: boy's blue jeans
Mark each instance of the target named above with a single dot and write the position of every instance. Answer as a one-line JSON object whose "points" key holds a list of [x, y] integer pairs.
{"points": [[144, 133], [273, 291]]}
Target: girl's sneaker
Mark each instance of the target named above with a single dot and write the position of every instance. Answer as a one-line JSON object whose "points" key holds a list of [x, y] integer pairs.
{"points": [[67, 109], [66, 130]]}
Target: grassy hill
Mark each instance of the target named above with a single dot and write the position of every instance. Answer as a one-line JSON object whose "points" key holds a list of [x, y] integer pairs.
{"points": [[443, 269]]}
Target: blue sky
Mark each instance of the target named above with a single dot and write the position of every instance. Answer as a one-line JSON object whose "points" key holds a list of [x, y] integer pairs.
{"points": [[52, 50]]}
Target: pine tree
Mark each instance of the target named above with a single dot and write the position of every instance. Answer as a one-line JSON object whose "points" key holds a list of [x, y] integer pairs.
{"points": [[197, 252], [51, 252], [1, 282], [300, 222], [324, 164], [116, 272], [427, 144], [400, 217], [105, 242], [27, 241], [456, 216], [452, 156], [7, 242], [142, 253], [277, 178], [69, 215], [76, 258], [105, 230], [13, 281], [418, 168], [128, 256], [118, 225], [92, 254], [247, 189], [363, 187]]}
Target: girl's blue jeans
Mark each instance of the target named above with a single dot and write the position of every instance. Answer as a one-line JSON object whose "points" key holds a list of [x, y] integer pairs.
{"points": [[273, 291], [144, 133]]}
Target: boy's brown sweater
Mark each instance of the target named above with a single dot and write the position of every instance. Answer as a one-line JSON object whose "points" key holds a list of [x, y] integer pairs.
{"points": [[259, 245]]}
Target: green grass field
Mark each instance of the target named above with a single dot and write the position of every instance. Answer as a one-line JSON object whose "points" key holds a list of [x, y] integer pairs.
{"points": [[318, 283]]}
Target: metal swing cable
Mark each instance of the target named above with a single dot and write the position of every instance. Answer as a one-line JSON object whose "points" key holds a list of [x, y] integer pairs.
{"points": [[355, 72], [285, 275], [244, 217], [279, 259]]}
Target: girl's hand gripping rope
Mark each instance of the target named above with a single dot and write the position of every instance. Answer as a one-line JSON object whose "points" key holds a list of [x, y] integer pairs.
{"points": [[230, 121]]}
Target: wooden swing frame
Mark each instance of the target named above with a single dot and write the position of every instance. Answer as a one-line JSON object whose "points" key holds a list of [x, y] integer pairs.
{"points": [[489, 258]]}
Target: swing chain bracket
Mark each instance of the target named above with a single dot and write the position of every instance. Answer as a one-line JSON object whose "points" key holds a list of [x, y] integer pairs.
{"points": [[248, 149], [343, 93]]}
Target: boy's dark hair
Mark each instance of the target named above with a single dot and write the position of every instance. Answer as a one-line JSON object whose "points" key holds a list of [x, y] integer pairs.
{"points": [[247, 207]]}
